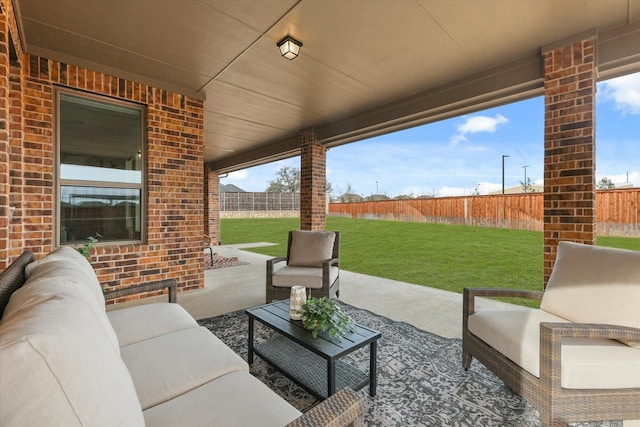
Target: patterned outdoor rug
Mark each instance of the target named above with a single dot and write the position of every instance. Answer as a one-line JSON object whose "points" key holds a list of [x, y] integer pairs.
{"points": [[421, 381], [219, 261]]}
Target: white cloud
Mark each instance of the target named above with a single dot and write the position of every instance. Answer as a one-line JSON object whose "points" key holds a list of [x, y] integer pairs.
{"points": [[624, 92], [477, 124]]}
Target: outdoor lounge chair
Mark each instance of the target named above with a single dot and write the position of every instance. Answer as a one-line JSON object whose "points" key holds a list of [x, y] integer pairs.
{"points": [[577, 357], [312, 261]]}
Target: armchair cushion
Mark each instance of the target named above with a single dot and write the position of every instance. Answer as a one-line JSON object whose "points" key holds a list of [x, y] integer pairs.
{"points": [[287, 277], [311, 248], [586, 363], [595, 285]]}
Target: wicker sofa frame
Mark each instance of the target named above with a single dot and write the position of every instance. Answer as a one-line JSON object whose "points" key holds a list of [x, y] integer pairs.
{"points": [[557, 406], [330, 290], [344, 408]]}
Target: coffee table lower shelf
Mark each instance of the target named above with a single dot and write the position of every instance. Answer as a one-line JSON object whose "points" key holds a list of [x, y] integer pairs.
{"points": [[308, 369]]}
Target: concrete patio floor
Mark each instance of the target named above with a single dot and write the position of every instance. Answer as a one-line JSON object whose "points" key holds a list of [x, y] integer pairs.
{"points": [[235, 288]]}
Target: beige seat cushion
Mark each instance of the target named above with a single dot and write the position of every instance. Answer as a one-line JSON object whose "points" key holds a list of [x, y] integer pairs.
{"points": [[139, 323], [235, 399], [586, 363], [310, 248], [309, 277], [591, 284], [169, 365], [57, 363]]}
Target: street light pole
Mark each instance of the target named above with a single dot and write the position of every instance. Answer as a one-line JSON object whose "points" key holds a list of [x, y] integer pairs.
{"points": [[503, 156], [525, 178], [376, 188]]}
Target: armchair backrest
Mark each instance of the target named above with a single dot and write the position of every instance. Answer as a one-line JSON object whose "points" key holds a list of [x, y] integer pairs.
{"points": [[593, 284], [310, 248]]}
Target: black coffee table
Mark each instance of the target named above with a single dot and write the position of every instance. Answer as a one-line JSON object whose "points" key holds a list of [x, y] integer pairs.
{"points": [[315, 364]]}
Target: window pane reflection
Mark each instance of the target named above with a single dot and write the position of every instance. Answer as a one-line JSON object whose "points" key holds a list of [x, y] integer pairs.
{"points": [[114, 213]]}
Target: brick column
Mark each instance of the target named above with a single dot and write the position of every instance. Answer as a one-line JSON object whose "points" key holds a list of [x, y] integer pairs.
{"points": [[569, 147], [313, 196], [212, 205], [4, 142]]}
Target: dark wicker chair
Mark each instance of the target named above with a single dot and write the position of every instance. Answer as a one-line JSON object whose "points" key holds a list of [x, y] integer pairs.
{"points": [[330, 280]]}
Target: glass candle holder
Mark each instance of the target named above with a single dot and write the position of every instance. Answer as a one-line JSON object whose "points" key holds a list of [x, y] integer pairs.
{"points": [[296, 301]]}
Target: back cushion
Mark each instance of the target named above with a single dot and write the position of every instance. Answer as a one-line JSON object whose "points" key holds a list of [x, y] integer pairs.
{"points": [[58, 367], [592, 284], [68, 262], [311, 248]]}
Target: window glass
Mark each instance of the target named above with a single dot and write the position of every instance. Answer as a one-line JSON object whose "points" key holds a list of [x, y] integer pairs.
{"points": [[100, 152]]}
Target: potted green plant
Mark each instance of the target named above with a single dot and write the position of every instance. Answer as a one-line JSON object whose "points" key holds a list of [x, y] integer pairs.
{"points": [[324, 315], [85, 249]]}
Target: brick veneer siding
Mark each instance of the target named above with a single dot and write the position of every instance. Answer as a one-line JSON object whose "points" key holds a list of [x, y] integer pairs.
{"points": [[11, 149], [174, 173], [569, 147], [4, 137], [212, 205], [313, 198]]}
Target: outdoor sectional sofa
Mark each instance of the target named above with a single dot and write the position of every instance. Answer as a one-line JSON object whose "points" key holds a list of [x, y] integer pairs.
{"points": [[64, 360], [577, 357]]}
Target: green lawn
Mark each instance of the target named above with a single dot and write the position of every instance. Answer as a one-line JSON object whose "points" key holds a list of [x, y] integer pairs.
{"points": [[449, 257]]}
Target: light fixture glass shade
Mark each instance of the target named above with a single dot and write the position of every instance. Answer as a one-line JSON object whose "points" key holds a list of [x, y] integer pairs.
{"points": [[289, 47]]}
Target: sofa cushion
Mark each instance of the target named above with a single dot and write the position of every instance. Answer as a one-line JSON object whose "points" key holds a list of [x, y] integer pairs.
{"points": [[57, 365], [586, 363], [139, 323], [288, 276], [67, 262], [235, 399], [39, 288], [311, 248], [169, 365], [591, 284]]}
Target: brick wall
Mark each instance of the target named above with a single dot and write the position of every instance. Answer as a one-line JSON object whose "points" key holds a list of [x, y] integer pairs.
{"points": [[569, 147], [174, 173], [4, 137], [313, 196]]}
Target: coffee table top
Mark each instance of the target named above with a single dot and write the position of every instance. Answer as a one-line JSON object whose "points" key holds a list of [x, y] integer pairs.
{"points": [[276, 316]]}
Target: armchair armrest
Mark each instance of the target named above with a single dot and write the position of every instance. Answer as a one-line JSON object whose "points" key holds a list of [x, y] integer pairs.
{"points": [[270, 263], [170, 284], [345, 408], [468, 298], [551, 335]]}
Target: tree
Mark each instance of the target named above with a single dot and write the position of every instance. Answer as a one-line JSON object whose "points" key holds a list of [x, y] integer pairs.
{"points": [[288, 181], [605, 184], [528, 187]]}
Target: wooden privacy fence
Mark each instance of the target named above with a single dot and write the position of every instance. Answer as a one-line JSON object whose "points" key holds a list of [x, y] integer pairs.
{"points": [[617, 211]]}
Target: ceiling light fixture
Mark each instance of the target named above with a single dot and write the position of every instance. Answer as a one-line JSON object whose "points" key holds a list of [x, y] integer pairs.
{"points": [[289, 47]]}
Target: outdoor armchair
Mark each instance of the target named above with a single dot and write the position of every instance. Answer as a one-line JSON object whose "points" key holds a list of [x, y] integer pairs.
{"points": [[312, 261], [577, 357]]}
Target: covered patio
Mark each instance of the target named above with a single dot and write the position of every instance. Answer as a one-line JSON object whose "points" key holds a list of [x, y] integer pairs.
{"points": [[209, 93], [217, 97]]}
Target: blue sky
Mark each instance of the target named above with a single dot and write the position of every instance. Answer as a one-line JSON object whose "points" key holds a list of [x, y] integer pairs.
{"points": [[454, 156]]}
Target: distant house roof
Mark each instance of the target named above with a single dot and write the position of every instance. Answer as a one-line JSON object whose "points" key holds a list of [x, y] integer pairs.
{"points": [[230, 188]]}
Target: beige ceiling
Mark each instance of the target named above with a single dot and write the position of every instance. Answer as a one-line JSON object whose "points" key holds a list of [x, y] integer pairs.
{"points": [[366, 66]]}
